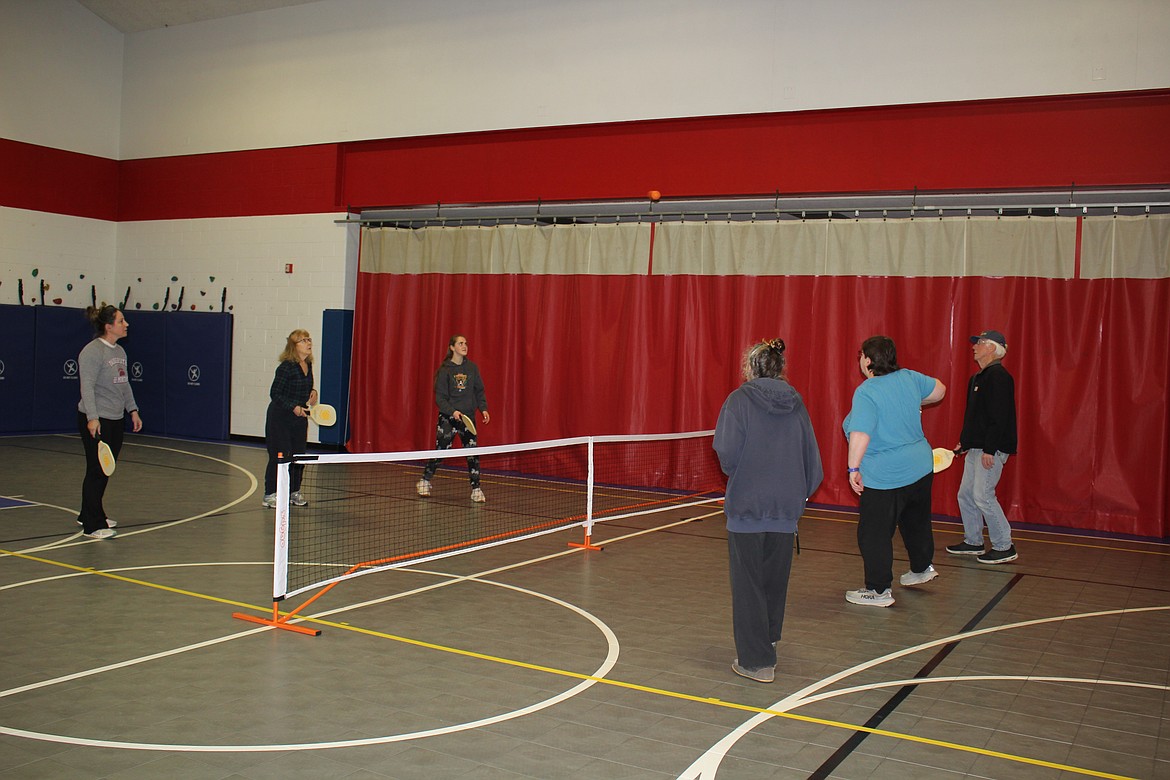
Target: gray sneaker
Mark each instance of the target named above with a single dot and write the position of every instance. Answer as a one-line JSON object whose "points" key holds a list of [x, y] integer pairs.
{"points": [[764, 674], [269, 500], [423, 487], [870, 598], [912, 578], [296, 499]]}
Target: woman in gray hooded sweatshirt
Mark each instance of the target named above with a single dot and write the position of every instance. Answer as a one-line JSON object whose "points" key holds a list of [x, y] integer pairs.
{"points": [[767, 449]]}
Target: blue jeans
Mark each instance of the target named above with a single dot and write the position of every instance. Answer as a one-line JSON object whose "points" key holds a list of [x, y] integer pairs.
{"points": [[978, 504]]}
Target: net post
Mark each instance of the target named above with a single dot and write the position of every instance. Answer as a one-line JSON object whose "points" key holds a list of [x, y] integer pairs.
{"points": [[588, 524], [280, 559], [280, 551]]}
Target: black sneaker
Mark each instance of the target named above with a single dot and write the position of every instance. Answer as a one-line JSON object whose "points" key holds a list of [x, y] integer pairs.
{"points": [[962, 548], [999, 556]]}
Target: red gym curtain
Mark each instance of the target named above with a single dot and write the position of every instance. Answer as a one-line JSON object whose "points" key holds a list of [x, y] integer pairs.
{"points": [[654, 350]]}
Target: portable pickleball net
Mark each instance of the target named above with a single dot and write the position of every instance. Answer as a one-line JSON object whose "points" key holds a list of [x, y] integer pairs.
{"points": [[365, 514]]}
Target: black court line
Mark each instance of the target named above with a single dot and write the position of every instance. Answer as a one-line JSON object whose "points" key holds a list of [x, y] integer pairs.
{"points": [[832, 762]]}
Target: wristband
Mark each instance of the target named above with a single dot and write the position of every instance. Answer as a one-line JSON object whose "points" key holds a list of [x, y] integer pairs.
{"points": [[854, 471]]}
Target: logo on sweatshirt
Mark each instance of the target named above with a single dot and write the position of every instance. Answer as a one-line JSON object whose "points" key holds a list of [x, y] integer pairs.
{"points": [[460, 382]]}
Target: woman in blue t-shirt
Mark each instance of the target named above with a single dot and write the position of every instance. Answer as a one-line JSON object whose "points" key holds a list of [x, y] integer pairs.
{"points": [[890, 469]]}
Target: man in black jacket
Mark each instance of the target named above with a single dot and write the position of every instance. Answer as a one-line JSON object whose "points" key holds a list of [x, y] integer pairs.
{"points": [[988, 438]]}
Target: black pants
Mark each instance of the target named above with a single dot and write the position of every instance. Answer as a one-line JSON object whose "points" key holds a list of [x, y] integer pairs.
{"points": [[905, 508], [93, 487], [760, 564], [445, 432], [285, 433]]}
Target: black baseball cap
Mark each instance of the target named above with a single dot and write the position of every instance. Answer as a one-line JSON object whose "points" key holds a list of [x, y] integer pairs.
{"points": [[991, 335]]}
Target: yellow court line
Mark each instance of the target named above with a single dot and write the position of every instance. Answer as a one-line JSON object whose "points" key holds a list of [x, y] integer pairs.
{"points": [[579, 676], [132, 581], [717, 702]]}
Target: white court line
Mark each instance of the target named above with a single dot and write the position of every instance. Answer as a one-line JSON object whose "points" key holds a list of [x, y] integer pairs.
{"points": [[979, 678], [60, 542], [78, 539], [613, 650], [707, 765], [606, 666]]}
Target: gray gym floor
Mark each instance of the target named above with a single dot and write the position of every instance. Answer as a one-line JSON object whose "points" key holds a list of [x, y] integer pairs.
{"points": [[536, 660]]}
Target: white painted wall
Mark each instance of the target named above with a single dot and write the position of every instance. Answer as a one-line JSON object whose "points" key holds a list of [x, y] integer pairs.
{"points": [[60, 77], [58, 250], [246, 255], [357, 69]]}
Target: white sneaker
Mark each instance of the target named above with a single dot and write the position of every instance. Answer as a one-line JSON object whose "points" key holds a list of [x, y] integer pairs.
{"points": [[423, 487], [269, 500], [912, 578], [870, 598], [298, 500], [477, 496], [109, 522], [102, 533]]}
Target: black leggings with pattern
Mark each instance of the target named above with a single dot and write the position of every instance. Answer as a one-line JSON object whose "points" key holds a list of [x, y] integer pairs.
{"points": [[444, 435]]}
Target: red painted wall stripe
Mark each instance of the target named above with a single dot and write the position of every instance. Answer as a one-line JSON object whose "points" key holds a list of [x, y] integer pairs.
{"points": [[1099, 140], [1037, 142], [297, 180], [38, 178]]}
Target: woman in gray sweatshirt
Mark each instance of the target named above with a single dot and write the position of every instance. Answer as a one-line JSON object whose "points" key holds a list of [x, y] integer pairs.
{"points": [[766, 447], [106, 397]]}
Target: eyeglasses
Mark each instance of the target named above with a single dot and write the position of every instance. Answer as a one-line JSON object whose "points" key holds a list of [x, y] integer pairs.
{"points": [[305, 340]]}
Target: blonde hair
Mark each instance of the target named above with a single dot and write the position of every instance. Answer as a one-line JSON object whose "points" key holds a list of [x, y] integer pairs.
{"points": [[289, 355]]}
